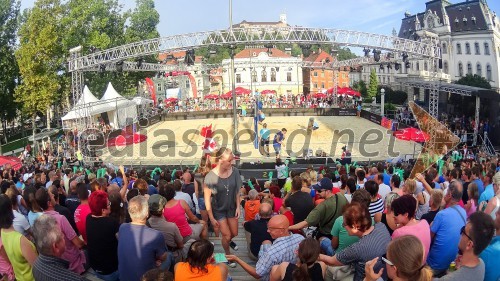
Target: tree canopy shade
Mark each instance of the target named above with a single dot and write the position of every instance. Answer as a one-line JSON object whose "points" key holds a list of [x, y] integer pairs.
{"points": [[474, 80], [360, 86], [9, 74], [52, 27], [39, 57]]}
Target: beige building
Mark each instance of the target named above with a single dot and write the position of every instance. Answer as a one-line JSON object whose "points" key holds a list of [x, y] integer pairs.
{"points": [[264, 69]]}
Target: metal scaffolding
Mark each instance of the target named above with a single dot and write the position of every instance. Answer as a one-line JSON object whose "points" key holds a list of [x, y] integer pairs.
{"points": [[286, 35]]}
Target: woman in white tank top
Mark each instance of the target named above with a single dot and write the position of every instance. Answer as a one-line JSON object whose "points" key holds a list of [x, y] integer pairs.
{"points": [[494, 202]]}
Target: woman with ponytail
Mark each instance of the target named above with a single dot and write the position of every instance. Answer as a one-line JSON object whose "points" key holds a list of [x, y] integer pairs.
{"points": [[404, 262], [307, 267]]}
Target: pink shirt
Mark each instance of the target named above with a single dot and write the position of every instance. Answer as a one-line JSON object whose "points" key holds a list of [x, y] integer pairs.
{"points": [[5, 266], [177, 215], [473, 208], [278, 202], [421, 230], [81, 213], [73, 255]]}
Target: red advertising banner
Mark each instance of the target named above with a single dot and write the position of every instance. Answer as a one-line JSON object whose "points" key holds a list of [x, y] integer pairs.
{"points": [[151, 88]]}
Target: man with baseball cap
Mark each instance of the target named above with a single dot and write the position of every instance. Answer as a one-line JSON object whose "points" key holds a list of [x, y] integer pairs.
{"points": [[169, 230], [324, 215]]}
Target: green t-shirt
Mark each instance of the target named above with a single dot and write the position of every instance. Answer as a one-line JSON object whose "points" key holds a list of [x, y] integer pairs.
{"points": [[345, 240], [321, 216], [287, 186]]}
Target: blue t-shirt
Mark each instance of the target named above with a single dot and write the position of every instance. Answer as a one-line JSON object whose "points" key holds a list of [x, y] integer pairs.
{"points": [[277, 138], [491, 256], [262, 116], [446, 226], [138, 249], [264, 133], [487, 194], [480, 186], [118, 181], [387, 179]]}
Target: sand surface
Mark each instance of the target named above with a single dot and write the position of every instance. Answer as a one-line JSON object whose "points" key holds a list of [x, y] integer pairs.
{"points": [[175, 141]]}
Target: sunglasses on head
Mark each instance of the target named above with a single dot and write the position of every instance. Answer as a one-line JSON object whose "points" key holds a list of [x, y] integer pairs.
{"points": [[386, 261]]}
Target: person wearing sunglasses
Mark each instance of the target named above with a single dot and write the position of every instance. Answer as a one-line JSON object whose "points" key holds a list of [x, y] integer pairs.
{"points": [[475, 236], [373, 241], [404, 261]]}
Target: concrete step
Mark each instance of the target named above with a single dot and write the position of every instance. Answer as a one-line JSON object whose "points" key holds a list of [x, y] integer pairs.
{"points": [[237, 273]]}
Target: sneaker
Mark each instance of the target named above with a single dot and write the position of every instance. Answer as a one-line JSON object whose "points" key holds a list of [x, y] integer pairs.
{"points": [[233, 245], [231, 264]]}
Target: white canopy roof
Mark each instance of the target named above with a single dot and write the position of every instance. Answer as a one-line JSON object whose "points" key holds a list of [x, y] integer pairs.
{"points": [[87, 97], [115, 99], [87, 105]]}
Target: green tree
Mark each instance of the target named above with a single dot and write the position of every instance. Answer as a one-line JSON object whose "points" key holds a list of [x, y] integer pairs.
{"points": [[94, 24], [345, 54], [360, 86], [372, 85], [474, 80], [142, 25], [9, 74], [143, 22], [39, 57]]}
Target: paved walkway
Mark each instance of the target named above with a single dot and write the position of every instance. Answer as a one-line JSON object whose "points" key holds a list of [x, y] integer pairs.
{"points": [[236, 273]]}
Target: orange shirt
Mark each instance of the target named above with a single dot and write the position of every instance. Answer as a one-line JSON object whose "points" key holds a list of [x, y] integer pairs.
{"points": [[183, 272], [251, 209]]}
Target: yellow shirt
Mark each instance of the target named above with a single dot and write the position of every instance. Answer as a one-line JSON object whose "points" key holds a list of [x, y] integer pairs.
{"points": [[12, 243]]}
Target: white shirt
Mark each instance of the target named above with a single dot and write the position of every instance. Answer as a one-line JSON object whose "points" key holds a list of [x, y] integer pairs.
{"points": [[20, 223], [179, 195], [383, 190]]}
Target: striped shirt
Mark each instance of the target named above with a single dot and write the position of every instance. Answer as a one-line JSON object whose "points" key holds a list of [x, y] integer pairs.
{"points": [[376, 207], [282, 250], [368, 247], [48, 268]]}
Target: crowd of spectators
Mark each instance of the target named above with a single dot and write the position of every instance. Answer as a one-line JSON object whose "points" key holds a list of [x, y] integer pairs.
{"points": [[247, 102], [368, 222]]}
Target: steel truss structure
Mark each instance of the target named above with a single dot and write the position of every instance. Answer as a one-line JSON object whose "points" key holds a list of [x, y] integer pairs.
{"points": [[286, 35], [129, 66], [438, 86], [107, 60]]}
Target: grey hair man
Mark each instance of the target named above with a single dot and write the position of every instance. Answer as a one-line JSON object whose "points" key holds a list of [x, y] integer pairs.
{"points": [[140, 248], [51, 245]]}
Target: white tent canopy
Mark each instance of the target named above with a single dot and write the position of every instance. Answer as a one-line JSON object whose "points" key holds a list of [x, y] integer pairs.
{"points": [[87, 105], [123, 111]]}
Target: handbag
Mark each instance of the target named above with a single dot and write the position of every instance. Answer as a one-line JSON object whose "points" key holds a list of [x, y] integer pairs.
{"points": [[340, 272]]}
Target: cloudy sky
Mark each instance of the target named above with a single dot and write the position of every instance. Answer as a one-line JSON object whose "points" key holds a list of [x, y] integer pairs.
{"points": [[375, 16]]}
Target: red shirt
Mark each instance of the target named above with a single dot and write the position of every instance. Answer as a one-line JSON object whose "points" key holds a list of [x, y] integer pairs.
{"points": [[81, 213]]}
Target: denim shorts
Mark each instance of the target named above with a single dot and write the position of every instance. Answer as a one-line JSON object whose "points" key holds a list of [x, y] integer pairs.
{"points": [[201, 204], [218, 216]]}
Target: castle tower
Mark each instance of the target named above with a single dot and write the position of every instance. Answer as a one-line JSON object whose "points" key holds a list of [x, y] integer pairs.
{"points": [[283, 18]]}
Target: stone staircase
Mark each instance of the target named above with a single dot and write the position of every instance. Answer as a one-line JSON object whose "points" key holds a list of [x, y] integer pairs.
{"points": [[237, 273]]}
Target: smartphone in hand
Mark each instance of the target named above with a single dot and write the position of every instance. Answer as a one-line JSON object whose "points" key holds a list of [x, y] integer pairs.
{"points": [[219, 258]]}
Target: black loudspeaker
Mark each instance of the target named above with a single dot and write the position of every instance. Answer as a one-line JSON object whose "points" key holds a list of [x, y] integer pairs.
{"points": [[440, 63]]}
